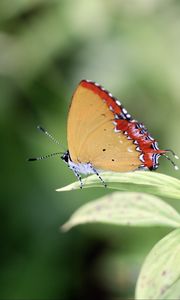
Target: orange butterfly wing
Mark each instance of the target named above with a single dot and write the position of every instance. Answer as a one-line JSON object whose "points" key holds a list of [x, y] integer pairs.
{"points": [[91, 133]]}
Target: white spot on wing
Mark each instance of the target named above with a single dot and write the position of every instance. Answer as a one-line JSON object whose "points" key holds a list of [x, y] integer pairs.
{"points": [[118, 102], [116, 130], [124, 110], [150, 137], [141, 157], [138, 149]]}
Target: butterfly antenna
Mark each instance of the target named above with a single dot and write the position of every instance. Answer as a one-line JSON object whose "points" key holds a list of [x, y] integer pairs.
{"points": [[44, 156], [43, 130], [168, 158], [172, 152]]}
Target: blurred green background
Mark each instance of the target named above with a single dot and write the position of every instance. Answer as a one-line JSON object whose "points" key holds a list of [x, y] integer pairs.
{"points": [[46, 47]]}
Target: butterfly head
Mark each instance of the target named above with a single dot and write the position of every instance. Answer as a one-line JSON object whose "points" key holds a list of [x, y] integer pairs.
{"points": [[66, 157]]}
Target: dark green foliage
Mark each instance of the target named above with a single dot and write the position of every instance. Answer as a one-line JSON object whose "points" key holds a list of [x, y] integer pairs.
{"points": [[46, 48]]}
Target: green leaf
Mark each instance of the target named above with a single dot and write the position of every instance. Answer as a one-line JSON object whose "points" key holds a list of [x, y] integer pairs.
{"points": [[160, 274], [139, 181], [123, 208]]}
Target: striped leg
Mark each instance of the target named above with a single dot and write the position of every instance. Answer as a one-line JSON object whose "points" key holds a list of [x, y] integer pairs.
{"points": [[96, 172], [78, 176]]}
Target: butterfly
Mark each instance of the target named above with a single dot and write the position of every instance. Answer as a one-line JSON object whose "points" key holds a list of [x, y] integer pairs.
{"points": [[103, 136]]}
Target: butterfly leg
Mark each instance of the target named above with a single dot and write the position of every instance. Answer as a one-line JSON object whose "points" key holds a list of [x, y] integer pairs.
{"points": [[96, 172], [78, 176]]}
